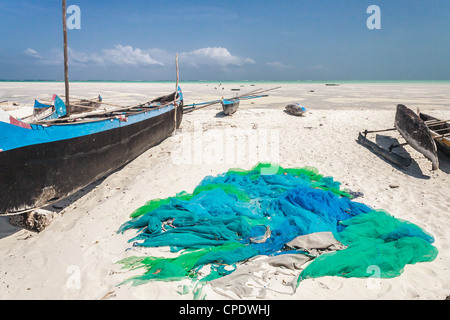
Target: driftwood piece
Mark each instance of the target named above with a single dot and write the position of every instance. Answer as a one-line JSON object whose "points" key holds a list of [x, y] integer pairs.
{"points": [[393, 157], [35, 221]]}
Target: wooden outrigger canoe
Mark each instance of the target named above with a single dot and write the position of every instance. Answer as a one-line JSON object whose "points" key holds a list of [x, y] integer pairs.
{"points": [[440, 131], [230, 106], [414, 130], [46, 161], [43, 161]]}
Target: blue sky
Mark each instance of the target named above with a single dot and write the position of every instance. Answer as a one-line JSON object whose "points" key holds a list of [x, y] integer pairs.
{"points": [[227, 40]]}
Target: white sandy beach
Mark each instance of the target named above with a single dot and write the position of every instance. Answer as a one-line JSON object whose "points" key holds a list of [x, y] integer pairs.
{"points": [[75, 257]]}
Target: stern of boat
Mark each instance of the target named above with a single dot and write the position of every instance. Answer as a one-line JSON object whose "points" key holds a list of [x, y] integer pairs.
{"points": [[180, 107]]}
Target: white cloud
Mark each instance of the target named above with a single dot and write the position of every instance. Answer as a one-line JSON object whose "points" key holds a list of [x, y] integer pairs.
{"points": [[32, 53], [280, 66], [213, 56], [118, 55], [54, 58], [81, 58], [275, 64], [126, 55]]}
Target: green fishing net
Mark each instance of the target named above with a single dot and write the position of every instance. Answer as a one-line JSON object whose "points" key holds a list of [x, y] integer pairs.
{"points": [[376, 242], [240, 215]]}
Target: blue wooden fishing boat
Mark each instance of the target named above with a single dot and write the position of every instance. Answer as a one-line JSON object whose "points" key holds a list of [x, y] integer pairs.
{"points": [[44, 161], [230, 106]]}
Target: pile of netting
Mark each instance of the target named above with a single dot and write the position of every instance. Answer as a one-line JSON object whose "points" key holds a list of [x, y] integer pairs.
{"points": [[230, 219]]}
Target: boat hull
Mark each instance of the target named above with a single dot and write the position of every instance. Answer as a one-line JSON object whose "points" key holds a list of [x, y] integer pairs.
{"points": [[442, 143], [37, 175], [414, 130], [230, 106]]}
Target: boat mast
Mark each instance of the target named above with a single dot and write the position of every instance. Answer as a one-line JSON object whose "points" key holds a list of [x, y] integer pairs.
{"points": [[178, 75], [175, 115], [66, 65]]}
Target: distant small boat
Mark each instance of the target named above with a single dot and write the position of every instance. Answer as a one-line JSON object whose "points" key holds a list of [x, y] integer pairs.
{"points": [[230, 106], [440, 131], [8, 105], [414, 130], [295, 109]]}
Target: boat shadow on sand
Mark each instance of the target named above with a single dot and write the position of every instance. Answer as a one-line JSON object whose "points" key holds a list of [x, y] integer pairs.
{"points": [[413, 169], [220, 115], [444, 162], [53, 210]]}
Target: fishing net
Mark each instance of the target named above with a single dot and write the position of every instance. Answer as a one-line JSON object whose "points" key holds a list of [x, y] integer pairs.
{"points": [[376, 242], [241, 215]]}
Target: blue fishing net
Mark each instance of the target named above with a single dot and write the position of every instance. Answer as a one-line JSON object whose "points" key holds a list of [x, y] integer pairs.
{"points": [[243, 214]]}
